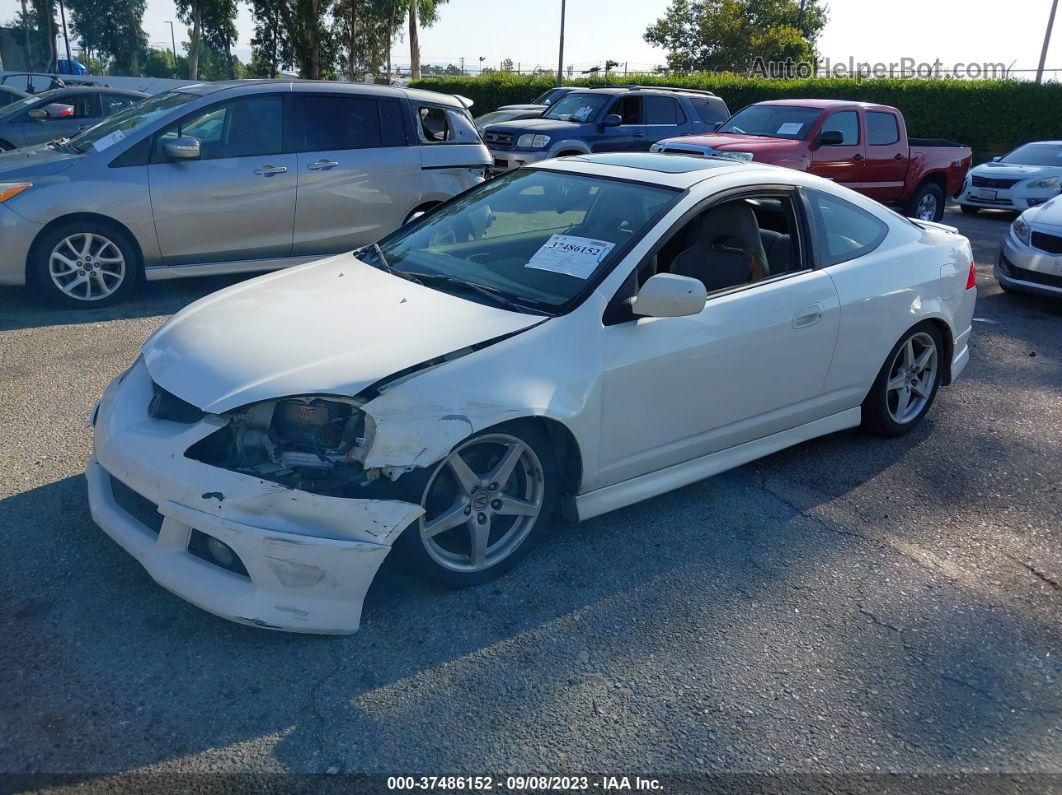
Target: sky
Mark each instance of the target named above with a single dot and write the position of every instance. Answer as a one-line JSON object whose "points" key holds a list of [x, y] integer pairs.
{"points": [[953, 31]]}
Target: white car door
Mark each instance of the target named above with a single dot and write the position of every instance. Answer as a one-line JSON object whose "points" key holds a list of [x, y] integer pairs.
{"points": [[752, 363]]}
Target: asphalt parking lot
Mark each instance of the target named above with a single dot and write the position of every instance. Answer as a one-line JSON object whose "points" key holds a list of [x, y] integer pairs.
{"points": [[852, 604]]}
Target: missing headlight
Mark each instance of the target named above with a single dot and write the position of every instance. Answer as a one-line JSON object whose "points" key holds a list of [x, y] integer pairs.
{"points": [[311, 443]]}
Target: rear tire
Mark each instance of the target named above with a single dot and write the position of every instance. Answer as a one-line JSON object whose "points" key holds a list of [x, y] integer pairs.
{"points": [[84, 265], [927, 204], [485, 505], [969, 209], [907, 383]]}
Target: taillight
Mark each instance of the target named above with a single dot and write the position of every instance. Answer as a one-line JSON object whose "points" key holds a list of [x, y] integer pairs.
{"points": [[66, 112], [971, 280]]}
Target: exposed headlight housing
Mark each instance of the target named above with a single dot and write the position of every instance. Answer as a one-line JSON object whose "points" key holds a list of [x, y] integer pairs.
{"points": [[1044, 183], [744, 156], [1021, 230], [655, 148], [9, 190], [532, 141]]}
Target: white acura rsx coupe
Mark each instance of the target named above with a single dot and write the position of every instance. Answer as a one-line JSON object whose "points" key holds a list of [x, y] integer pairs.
{"points": [[576, 336]]}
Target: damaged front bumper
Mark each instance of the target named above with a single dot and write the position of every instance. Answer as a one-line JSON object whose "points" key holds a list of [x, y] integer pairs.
{"points": [[301, 561]]}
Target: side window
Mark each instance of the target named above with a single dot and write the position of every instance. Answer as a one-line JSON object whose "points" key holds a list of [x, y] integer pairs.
{"points": [[629, 109], [434, 124], [847, 123], [843, 230], [462, 129], [86, 106], [112, 103], [738, 242], [241, 128], [392, 131], [341, 122], [710, 113], [882, 128], [663, 110]]}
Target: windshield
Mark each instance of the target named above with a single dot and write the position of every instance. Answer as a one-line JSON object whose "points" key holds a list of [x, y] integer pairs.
{"points": [[115, 128], [1035, 155], [23, 104], [533, 237], [773, 121], [576, 107]]}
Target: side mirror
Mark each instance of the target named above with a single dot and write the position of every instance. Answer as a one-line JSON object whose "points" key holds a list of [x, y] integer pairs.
{"points": [[612, 120], [38, 114], [668, 295], [831, 138], [184, 148]]}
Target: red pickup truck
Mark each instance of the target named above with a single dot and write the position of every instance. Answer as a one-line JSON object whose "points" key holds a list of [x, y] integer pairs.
{"points": [[857, 144]]}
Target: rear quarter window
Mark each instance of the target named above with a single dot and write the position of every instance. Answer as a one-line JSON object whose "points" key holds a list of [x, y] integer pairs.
{"points": [[843, 231]]}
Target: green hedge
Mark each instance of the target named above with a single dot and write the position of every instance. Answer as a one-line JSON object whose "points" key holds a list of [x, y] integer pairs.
{"points": [[991, 116]]}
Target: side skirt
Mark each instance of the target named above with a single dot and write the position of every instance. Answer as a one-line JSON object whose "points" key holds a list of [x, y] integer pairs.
{"points": [[159, 272], [628, 492]]}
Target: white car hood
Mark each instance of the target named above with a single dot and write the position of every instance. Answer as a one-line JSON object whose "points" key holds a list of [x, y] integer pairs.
{"points": [[1014, 171], [329, 327]]}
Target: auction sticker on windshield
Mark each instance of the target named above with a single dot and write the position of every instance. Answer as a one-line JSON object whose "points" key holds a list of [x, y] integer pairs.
{"points": [[570, 255], [108, 140], [790, 128]]}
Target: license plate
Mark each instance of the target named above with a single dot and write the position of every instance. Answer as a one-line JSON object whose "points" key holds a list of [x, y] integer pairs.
{"points": [[981, 193]]}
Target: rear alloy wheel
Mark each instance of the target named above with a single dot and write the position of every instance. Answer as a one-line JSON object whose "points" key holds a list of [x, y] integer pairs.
{"points": [[927, 204], [483, 505], [906, 384], [84, 265]]}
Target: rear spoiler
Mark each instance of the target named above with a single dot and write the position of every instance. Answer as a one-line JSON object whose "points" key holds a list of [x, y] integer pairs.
{"points": [[465, 101], [934, 225]]}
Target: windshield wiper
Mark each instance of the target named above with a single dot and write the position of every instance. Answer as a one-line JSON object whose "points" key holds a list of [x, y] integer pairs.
{"points": [[62, 144], [384, 265], [493, 293]]}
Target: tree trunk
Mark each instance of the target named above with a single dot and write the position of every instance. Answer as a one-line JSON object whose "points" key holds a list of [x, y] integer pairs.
{"points": [[315, 40], [414, 43], [228, 59], [352, 57], [193, 51]]}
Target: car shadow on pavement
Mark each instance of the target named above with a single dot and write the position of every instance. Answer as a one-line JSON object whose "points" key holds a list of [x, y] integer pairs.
{"points": [[21, 309], [720, 627]]}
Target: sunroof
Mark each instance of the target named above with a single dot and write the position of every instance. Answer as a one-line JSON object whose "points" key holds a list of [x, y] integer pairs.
{"points": [[654, 161]]}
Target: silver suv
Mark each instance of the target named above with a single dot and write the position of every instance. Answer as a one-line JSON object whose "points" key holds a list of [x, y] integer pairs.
{"points": [[228, 177]]}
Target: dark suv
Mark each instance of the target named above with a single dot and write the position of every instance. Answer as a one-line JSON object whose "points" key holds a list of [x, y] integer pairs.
{"points": [[622, 119]]}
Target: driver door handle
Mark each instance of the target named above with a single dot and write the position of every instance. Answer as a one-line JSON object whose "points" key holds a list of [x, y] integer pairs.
{"points": [[269, 171], [323, 165], [808, 316], [857, 158]]}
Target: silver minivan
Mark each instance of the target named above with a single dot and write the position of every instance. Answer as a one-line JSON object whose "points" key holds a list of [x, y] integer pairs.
{"points": [[229, 177]]}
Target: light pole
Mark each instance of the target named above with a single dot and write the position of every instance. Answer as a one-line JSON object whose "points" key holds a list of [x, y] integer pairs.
{"points": [[173, 41], [1047, 41], [560, 59], [482, 58], [66, 36]]}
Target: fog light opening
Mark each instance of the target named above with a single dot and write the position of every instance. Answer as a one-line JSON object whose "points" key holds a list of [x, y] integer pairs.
{"points": [[221, 552], [215, 552]]}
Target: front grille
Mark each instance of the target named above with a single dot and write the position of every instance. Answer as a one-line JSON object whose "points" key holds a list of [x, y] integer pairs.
{"points": [[167, 406], [993, 182], [1036, 277], [1052, 244], [498, 140], [139, 507]]}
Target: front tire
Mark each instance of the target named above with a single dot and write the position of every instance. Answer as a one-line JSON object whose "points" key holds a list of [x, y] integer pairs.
{"points": [[907, 383], [927, 204], [485, 506], [84, 265]]}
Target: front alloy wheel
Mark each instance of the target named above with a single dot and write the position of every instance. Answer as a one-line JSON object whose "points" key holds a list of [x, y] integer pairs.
{"points": [[482, 504], [87, 267]]}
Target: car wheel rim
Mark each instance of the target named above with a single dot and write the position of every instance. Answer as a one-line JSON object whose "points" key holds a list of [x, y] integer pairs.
{"points": [[481, 503], [927, 208], [87, 266], [912, 376]]}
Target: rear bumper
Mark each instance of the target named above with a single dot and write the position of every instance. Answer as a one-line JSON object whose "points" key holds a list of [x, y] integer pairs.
{"points": [[16, 236]]}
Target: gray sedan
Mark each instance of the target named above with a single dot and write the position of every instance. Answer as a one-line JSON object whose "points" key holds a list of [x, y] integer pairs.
{"points": [[60, 113], [226, 178]]}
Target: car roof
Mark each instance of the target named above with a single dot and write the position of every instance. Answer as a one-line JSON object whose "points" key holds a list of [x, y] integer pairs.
{"points": [[669, 170], [637, 90], [824, 103], [327, 86]]}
